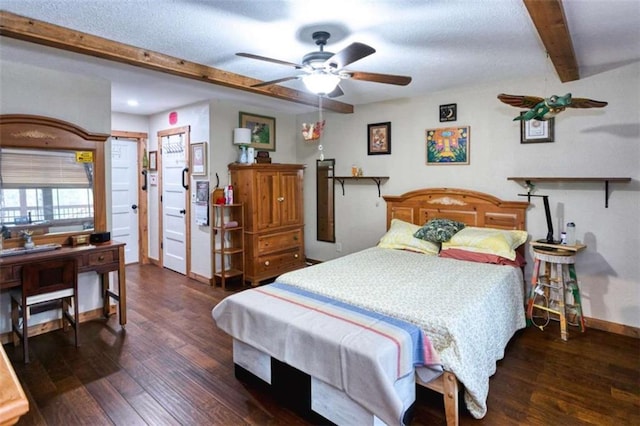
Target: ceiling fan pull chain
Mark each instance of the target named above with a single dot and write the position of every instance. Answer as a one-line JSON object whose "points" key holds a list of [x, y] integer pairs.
{"points": [[320, 125]]}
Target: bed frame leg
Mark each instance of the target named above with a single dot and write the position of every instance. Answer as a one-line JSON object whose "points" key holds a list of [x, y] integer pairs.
{"points": [[451, 389]]}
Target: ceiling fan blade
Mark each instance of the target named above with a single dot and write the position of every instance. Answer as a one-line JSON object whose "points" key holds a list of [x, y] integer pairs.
{"points": [[280, 80], [350, 54], [264, 58], [399, 80], [336, 92]]}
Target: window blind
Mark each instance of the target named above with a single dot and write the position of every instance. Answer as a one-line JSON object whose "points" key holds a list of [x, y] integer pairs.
{"points": [[43, 169]]}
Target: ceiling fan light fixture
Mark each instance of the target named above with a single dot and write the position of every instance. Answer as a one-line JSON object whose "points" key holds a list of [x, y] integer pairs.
{"points": [[320, 83]]}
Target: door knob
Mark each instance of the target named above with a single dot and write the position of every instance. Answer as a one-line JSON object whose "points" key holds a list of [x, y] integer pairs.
{"points": [[134, 206], [183, 211]]}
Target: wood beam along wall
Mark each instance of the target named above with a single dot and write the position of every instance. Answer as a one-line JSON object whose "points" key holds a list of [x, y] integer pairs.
{"points": [[39, 32]]}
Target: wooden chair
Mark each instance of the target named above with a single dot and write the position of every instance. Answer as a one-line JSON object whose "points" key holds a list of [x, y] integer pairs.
{"points": [[43, 283]]}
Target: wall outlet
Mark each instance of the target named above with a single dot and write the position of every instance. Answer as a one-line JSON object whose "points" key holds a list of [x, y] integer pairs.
{"points": [[338, 247]]}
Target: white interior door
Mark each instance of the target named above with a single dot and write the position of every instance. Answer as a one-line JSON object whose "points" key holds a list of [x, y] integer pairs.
{"points": [[124, 195], [174, 203]]}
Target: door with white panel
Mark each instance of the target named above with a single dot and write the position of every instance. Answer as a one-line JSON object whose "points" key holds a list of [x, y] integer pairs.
{"points": [[124, 196], [175, 179]]}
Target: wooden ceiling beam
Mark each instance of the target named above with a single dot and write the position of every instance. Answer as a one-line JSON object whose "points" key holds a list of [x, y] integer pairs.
{"points": [[39, 32], [550, 22]]}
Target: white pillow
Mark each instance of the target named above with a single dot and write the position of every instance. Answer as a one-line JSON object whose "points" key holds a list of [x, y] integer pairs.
{"points": [[400, 236], [500, 242]]}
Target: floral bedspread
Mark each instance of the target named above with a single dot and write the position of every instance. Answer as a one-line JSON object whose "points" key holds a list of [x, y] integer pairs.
{"points": [[468, 310]]}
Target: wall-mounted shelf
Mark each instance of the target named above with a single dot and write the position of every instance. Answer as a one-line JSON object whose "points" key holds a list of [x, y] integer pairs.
{"points": [[528, 182], [377, 179]]}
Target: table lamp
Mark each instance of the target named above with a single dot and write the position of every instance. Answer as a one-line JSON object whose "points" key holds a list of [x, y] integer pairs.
{"points": [[242, 137]]}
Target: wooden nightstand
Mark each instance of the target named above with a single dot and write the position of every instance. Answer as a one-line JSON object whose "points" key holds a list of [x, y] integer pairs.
{"points": [[554, 287]]}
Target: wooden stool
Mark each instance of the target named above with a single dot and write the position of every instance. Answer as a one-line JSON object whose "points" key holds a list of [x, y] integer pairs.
{"points": [[549, 291]]}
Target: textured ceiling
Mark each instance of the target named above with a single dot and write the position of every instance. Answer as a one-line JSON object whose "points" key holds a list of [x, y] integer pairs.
{"points": [[440, 43]]}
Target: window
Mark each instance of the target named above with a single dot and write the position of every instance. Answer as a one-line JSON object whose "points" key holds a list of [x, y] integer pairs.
{"points": [[48, 188]]}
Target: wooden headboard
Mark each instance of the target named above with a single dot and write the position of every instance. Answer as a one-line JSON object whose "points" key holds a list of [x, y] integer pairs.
{"points": [[470, 207]]}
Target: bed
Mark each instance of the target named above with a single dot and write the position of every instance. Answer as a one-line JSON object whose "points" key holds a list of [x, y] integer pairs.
{"points": [[467, 311]]}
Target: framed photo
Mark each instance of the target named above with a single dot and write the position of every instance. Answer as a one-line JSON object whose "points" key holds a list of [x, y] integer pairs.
{"points": [[448, 145], [379, 138], [448, 112], [199, 159], [536, 131], [263, 130], [153, 160]]}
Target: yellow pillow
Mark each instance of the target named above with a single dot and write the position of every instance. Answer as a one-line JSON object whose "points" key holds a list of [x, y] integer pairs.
{"points": [[500, 242], [400, 236]]}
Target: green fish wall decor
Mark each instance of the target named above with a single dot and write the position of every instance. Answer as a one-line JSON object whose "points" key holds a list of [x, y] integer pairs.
{"points": [[545, 108]]}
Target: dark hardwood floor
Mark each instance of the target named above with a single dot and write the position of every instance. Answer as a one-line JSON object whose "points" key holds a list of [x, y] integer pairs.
{"points": [[173, 366]]}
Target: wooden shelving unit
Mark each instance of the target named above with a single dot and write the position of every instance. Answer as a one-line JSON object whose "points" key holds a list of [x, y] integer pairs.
{"points": [[377, 179], [228, 256], [529, 180]]}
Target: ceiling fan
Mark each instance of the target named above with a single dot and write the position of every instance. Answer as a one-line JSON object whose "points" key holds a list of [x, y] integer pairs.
{"points": [[323, 70]]}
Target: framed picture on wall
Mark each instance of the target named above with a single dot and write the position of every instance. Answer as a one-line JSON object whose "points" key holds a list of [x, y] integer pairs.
{"points": [[263, 131], [448, 112], [153, 160], [536, 131], [199, 159], [379, 138], [448, 145]]}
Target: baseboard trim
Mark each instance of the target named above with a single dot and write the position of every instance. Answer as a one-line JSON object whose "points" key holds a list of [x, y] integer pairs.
{"points": [[55, 324], [612, 327], [200, 278]]}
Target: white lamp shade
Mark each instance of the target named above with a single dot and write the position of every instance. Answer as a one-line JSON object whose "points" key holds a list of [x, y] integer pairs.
{"points": [[241, 136], [320, 83]]}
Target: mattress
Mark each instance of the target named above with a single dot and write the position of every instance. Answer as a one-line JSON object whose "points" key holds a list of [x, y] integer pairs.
{"points": [[468, 310], [353, 350]]}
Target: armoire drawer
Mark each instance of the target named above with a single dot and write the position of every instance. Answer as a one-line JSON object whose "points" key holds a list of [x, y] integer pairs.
{"points": [[279, 261], [279, 241]]}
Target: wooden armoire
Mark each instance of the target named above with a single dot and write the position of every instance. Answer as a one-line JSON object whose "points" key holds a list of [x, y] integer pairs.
{"points": [[274, 217]]}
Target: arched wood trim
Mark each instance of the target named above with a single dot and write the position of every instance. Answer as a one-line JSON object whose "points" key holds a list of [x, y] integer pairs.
{"points": [[34, 131]]}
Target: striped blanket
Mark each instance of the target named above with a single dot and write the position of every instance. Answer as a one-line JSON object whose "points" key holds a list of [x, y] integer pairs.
{"points": [[357, 351]]}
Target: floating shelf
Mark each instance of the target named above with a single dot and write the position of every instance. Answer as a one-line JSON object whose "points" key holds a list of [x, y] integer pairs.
{"points": [[606, 180], [377, 179]]}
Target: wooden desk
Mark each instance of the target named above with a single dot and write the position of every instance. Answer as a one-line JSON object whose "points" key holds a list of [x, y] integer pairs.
{"points": [[102, 258], [13, 401]]}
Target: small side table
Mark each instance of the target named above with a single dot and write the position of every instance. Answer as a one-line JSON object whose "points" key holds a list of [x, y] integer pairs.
{"points": [[558, 284]]}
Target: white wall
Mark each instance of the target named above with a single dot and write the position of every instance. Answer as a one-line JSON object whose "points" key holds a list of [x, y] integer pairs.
{"points": [[80, 100], [130, 122], [588, 142], [225, 116]]}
